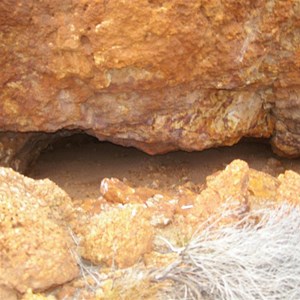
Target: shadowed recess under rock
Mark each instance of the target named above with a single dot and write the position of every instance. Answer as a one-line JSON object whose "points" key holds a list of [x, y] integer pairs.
{"points": [[159, 76], [79, 162]]}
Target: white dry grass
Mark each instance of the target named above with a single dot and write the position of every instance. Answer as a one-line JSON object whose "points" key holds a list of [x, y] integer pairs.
{"points": [[88, 272], [256, 257]]}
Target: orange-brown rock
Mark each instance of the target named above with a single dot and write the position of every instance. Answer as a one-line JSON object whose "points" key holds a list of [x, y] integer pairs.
{"points": [[240, 186], [160, 207], [262, 185], [158, 75], [115, 191], [7, 293], [34, 241], [32, 296], [183, 208], [289, 189], [226, 189], [120, 236]]}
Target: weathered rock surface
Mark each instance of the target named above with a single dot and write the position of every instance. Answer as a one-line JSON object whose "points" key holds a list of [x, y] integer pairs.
{"points": [[160, 208], [32, 296], [158, 75], [178, 213], [37, 251], [289, 189], [34, 241], [19, 150], [120, 237]]}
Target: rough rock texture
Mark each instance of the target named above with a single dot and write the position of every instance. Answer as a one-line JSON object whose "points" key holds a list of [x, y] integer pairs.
{"points": [[19, 150], [31, 296], [160, 208], [178, 213], [34, 241], [289, 189], [158, 75], [122, 230], [118, 237]]}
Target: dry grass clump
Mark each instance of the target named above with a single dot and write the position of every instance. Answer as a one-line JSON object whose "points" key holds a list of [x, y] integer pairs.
{"points": [[133, 283], [88, 272], [116, 284], [256, 257]]}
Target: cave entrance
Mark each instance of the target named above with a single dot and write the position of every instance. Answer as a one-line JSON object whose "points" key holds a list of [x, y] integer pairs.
{"points": [[79, 162]]}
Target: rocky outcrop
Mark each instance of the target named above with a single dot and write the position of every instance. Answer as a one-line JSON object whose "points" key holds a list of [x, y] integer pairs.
{"points": [[35, 244], [43, 235], [236, 187], [158, 75]]}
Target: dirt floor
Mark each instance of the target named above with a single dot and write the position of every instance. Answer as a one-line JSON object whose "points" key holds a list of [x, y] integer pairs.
{"points": [[79, 163]]}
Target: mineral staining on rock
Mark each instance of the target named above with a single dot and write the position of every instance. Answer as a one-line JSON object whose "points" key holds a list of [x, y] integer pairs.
{"points": [[34, 241], [158, 75], [44, 234], [118, 238]]}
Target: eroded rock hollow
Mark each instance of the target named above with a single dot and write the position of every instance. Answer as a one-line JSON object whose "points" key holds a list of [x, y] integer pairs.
{"points": [[160, 76], [157, 75]]}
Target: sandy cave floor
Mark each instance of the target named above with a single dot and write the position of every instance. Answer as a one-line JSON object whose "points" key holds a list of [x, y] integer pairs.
{"points": [[78, 164]]}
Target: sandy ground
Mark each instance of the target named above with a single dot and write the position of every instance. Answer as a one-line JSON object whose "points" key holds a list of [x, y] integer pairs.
{"points": [[79, 163]]}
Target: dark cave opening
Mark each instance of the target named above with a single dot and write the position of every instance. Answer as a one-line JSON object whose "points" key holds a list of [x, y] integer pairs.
{"points": [[77, 162]]}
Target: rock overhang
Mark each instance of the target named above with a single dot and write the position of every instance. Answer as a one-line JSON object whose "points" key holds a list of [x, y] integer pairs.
{"points": [[159, 76]]}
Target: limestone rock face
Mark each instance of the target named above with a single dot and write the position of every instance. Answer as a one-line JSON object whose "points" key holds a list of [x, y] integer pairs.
{"points": [[34, 243], [158, 75]]}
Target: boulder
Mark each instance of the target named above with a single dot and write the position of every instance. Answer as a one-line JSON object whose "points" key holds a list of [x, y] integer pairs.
{"points": [[157, 75], [35, 245], [117, 237]]}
